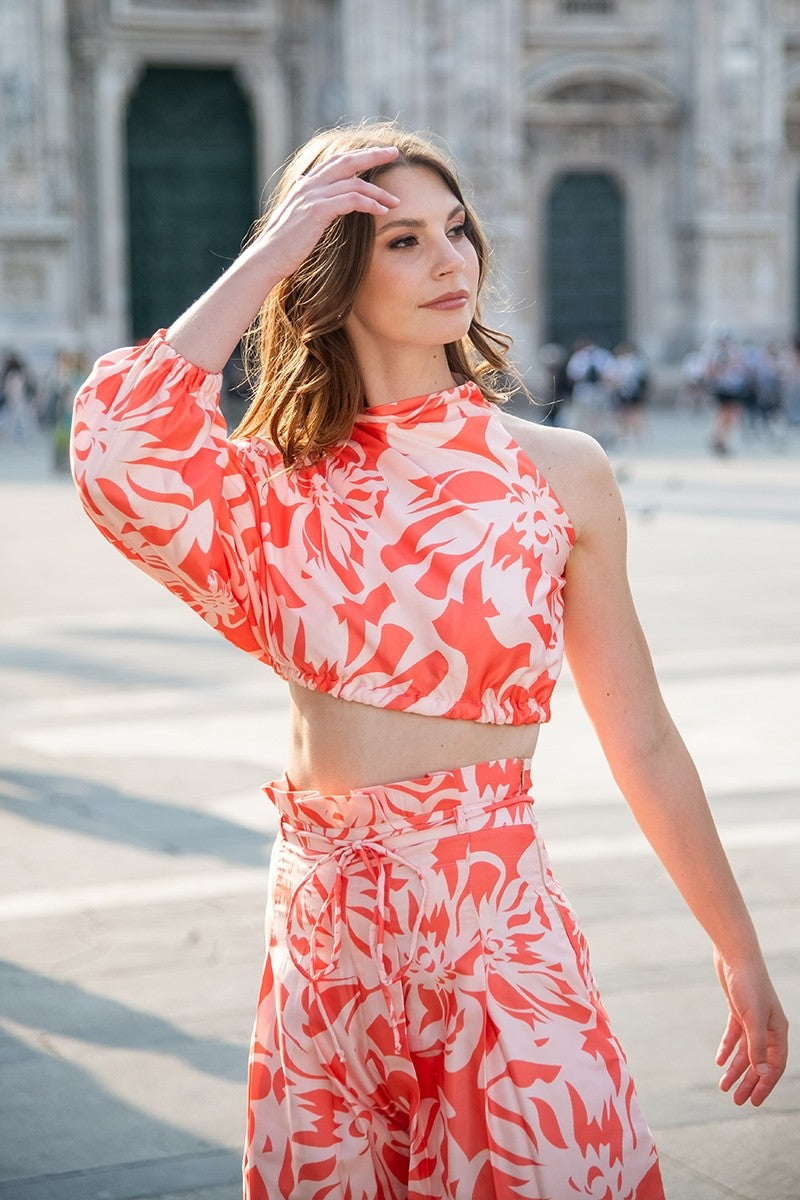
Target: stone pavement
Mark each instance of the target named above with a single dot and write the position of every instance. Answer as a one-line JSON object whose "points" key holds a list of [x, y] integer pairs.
{"points": [[132, 745]]}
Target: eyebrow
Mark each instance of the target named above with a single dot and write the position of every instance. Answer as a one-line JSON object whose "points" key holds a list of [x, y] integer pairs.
{"points": [[415, 223]]}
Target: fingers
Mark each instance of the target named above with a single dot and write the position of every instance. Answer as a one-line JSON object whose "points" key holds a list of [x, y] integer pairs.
{"points": [[730, 1038], [340, 166], [736, 1068], [756, 1034], [767, 1075], [344, 171], [767, 1048], [316, 199], [753, 1086], [361, 195], [747, 1087], [757, 1063]]}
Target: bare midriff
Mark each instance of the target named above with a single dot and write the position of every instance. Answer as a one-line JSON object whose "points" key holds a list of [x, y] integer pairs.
{"points": [[338, 745]]}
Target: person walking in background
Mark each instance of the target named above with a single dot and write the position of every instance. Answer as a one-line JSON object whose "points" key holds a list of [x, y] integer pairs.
{"points": [[629, 377], [413, 561], [17, 399], [66, 373], [790, 385], [766, 374], [729, 381], [590, 369], [693, 389], [557, 390]]}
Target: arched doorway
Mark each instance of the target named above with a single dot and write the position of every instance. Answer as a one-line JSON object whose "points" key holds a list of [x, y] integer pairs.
{"points": [[585, 260], [190, 187]]}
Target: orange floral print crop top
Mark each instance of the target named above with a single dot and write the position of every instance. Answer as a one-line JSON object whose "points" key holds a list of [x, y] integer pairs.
{"points": [[419, 566]]}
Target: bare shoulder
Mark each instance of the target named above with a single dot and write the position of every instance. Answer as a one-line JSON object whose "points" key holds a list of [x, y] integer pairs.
{"points": [[573, 463]]}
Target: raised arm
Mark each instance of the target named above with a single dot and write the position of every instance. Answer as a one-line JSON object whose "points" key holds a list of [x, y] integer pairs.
{"points": [[613, 671], [150, 454], [209, 331]]}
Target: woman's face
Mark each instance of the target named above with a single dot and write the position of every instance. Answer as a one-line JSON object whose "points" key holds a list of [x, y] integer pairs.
{"points": [[420, 289]]}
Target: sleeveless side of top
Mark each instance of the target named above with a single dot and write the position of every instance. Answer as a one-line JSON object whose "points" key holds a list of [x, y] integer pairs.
{"points": [[419, 566]]}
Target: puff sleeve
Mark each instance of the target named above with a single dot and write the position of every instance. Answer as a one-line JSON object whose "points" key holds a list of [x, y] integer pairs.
{"points": [[158, 476]]}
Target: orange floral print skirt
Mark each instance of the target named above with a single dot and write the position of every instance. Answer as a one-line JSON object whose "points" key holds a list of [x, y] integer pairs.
{"points": [[428, 1026]]}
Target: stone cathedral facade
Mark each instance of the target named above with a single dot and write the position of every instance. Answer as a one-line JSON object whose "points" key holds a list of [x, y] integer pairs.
{"points": [[637, 161]]}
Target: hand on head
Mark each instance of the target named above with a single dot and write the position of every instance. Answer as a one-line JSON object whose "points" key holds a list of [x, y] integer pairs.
{"points": [[317, 198]]}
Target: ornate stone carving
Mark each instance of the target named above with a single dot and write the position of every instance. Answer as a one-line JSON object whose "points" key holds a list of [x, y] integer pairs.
{"points": [[18, 108], [700, 116], [792, 122], [24, 280], [186, 7], [596, 91], [600, 7]]}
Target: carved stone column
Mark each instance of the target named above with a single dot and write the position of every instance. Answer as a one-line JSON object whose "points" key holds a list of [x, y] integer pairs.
{"points": [[35, 176], [738, 169], [262, 79], [451, 67], [116, 76]]}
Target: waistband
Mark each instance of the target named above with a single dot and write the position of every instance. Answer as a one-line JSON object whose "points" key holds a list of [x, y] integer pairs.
{"points": [[367, 831], [380, 810]]}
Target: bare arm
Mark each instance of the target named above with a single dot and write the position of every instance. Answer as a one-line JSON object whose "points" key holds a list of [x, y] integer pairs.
{"points": [[210, 330], [614, 674]]}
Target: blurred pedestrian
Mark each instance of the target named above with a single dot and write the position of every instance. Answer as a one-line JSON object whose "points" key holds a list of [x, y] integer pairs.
{"points": [[629, 378], [767, 374], [591, 369], [557, 392], [692, 388], [791, 386], [729, 381], [59, 386], [18, 399]]}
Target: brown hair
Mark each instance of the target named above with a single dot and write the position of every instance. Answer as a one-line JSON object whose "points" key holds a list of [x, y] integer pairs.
{"points": [[308, 390]]}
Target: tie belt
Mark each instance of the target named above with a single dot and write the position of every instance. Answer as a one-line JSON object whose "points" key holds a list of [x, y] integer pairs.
{"points": [[377, 858]]}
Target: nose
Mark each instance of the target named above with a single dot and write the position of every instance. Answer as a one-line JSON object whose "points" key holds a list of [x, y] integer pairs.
{"points": [[449, 259]]}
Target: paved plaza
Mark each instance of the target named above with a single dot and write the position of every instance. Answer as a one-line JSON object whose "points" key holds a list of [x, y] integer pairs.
{"points": [[133, 836]]}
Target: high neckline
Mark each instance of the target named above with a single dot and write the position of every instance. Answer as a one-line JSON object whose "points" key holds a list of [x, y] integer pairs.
{"points": [[428, 403]]}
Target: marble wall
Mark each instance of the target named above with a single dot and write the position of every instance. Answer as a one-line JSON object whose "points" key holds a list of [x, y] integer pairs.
{"points": [[693, 106], [37, 217]]}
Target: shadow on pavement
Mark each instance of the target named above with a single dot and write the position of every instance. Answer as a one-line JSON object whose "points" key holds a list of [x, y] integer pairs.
{"points": [[65, 1134], [81, 805], [64, 1009], [50, 660]]}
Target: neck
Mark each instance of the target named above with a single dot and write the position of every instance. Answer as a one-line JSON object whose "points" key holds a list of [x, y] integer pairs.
{"points": [[389, 378]]}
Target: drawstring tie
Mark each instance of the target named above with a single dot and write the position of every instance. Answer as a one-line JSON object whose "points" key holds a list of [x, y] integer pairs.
{"points": [[376, 857]]}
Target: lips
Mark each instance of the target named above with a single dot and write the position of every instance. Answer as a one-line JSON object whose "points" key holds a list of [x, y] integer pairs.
{"points": [[449, 300]]}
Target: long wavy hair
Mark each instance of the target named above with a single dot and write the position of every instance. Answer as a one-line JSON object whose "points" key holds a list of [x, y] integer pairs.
{"points": [[307, 388]]}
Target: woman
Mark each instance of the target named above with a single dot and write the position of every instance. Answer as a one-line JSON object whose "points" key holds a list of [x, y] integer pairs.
{"points": [[411, 560]]}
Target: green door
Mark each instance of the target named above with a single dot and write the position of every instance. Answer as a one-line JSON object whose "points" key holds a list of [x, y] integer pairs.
{"points": [[797, 265], [190, 188], [585, 260]]}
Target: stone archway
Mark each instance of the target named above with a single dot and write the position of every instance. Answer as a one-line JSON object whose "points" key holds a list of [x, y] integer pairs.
{"points": [[612, 126], [191, 194]]}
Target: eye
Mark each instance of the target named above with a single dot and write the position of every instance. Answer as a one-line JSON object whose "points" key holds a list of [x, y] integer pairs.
{"points": [[402, 243], [456, 232]]}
